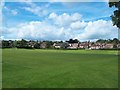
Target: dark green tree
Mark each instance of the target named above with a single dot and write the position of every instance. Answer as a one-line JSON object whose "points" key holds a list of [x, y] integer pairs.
{"points": [[100, 41], [22, 43], [49, 44], [116, 14], [73, 41], [115, 41]]}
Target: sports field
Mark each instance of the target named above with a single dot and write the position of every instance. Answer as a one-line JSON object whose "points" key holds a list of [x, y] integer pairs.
{"points": [[24, 68]]}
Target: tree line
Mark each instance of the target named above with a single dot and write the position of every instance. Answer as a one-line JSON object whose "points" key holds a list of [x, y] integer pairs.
{"points": [[29, 44]]}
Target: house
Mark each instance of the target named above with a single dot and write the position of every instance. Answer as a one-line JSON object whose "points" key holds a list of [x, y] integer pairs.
{"points": [[118, 46], [95, 47], [83, 45], [65, 45], [62, 45], [73, 46], [43, 45], [108, 46], [57, 45], [31, 44]]}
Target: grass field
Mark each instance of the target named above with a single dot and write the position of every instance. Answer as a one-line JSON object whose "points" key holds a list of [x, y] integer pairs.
{"points": [[59, 68]]}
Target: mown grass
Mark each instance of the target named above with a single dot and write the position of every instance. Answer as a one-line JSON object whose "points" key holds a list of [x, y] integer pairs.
{"points": [[24, 68]]}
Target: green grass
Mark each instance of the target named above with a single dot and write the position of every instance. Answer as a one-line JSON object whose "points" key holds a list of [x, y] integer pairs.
{"points": [[59, 68]]}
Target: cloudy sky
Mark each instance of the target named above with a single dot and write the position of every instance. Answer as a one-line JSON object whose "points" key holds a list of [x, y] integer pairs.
{"points": [[57, 21]]}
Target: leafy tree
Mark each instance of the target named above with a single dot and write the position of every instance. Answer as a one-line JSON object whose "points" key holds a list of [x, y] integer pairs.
{"points": [[73, 41], [109, 41], [22, 44], [116, 16], [5, 44], [49, 44], [15, 43], [37, 45], [101, 41], [115, 41]]}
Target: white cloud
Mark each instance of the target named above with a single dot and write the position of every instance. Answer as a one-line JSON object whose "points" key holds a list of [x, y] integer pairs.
{"points": [[11, 11], [62, 27], [100, 29], [78, 25], [76, 16], [52, 15], [37, 30], [64, 19], [1, 37], [35, 9]]}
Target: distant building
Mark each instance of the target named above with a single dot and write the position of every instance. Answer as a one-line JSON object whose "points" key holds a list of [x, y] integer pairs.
{"points": [[108, 46], [118, 46], [95, 47], [83, 45], [43, 45], [31, 44], [73, 46], [57, 45]]}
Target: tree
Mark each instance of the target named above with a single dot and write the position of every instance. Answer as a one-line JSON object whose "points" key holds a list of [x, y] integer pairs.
{"points": [[22, 43], [116, 16], [115, 41], [5, 44], [49, 44], [15, 44], [73, 41], [64, 45], [37, 45], [100, 41]]}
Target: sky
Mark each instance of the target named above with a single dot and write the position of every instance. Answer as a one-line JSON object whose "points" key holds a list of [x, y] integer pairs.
{"points": [[57, 21]]}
